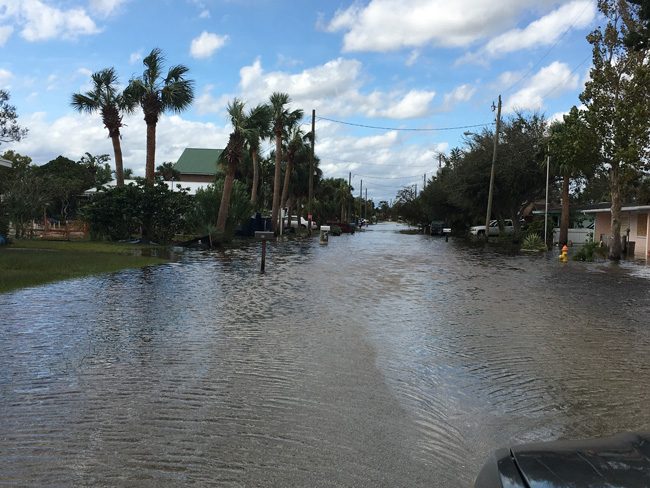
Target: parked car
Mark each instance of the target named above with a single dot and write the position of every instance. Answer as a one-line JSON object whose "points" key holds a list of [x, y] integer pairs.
{"points": [[303, 223], [479, 230]]}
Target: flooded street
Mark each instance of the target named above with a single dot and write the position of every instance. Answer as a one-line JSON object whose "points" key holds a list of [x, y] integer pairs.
{"points": [[382, 359]]}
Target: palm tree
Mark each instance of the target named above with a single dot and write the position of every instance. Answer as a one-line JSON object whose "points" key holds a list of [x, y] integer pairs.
{"points": [[282, 118], [232, 156], [106, 99], [259, 123], [573, 148], [157, 95], [296, 145]]}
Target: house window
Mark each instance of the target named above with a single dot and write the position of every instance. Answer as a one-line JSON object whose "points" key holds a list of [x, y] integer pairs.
{"points": [[642, 225]]}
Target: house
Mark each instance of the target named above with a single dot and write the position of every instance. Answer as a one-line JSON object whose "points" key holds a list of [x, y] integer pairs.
{"points": [[198, 165], [635, 220], [5, 163]]}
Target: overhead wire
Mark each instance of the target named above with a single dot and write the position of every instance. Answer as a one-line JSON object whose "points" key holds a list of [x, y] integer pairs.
{"points": [[548, 51], [417, 129]]}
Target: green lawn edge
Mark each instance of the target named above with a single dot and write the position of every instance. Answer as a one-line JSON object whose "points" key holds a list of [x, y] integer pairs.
{"points": [[27, 263]]}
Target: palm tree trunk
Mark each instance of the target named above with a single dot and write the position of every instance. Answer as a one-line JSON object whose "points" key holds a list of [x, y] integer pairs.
{"points": [[276, 181], [225, 199], [151, 152], [564, 219], [615, 190], [119, 165], [256, 176], [285, 188]]}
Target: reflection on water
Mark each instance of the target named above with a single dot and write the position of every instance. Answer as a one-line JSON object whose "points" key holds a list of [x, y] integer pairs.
{"points": [[381, 359]]}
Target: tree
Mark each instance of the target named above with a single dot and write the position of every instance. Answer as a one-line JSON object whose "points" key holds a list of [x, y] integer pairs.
{"points": [[167, 172], [231, 157], [639, 38], [65, 181], [573, 149], [98, 166], [618, 103], [259, 124], [9, 129], [157, 95], [112, 104], [281, 118], [296, 146]]}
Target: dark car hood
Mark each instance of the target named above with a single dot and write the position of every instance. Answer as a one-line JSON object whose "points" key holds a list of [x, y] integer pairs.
{"points": [[619, 461]]}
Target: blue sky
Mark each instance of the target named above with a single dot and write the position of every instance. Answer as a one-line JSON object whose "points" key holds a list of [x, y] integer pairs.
{"points": [[398, 64]]}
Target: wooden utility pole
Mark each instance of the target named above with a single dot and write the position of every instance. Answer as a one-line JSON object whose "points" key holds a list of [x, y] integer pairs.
{"points": [[360, 198], [488, 214], [351, 197], [366, 205], [311, 171]]}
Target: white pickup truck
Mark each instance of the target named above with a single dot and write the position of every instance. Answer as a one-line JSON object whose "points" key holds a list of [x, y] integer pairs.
{"points": [[479, 230]]}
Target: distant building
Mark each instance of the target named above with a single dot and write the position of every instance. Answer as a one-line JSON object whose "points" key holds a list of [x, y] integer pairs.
{"points": [[5, 163], [198, 165]]}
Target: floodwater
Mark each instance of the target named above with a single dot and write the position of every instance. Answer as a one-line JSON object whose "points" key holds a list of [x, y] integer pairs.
{"points": [[382, 359]]}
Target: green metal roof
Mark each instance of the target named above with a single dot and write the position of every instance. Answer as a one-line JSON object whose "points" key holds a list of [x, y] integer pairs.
{"points": [[198, 161]]}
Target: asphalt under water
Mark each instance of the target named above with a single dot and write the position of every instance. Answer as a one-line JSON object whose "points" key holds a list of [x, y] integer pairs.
{"points": [[382, 359]]}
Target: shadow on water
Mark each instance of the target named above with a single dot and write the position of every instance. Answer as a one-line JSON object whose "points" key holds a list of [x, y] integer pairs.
{"points": [[381, 359]]}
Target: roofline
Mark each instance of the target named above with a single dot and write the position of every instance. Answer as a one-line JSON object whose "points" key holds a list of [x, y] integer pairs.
{"points": [[623, 209], [5, 163]]}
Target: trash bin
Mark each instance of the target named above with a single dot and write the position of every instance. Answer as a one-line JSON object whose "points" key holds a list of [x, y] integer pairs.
{"points": [[324, 234]]}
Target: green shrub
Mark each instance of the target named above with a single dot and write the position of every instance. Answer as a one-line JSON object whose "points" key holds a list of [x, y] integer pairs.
{"points": [[533, 242], [589, 251]]}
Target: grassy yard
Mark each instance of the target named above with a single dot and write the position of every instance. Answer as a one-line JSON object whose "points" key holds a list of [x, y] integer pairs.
{"points": [[28, 263]]}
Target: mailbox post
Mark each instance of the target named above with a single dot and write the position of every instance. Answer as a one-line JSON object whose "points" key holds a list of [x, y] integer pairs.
{"points": [[263, 236]]}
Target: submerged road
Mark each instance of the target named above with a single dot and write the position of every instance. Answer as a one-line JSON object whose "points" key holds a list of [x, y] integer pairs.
{"points": [[382, 359]]}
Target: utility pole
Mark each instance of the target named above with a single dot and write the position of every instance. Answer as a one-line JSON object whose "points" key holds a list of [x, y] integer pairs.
{"points": [[311, 171], [366, 205], [439, 160], [360, 198], [350, 199], [548, 165], [494, 160], [424, 181]]}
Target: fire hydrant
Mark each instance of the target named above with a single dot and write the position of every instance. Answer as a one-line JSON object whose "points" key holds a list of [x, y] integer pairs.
{"points": [[564, 255]]}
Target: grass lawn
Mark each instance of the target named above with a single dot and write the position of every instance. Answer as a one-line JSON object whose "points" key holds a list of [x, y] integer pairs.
{"points": [[34, 262]]}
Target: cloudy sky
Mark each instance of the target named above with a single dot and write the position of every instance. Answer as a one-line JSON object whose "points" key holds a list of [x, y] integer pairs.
{"points": [[395, 65]]}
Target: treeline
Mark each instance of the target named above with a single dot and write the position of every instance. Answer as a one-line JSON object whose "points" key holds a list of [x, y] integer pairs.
{"points": [[598, 152]]}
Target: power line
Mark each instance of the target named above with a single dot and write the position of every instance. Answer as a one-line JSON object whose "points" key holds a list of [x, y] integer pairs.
{"points": [[557, 85], [420, 129], [539, 61]]}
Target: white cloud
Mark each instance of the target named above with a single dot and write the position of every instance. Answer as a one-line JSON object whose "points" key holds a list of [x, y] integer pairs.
{"points": [[205, 103], [136, 56], [5, 78], [74, 134], [413, 57], [205, 14], [39, 21], [542, 32], [332, 88], [106, 7], [206, 44], [5, 34], [462, 93], [550, 81], [385, 25], [85, 72]]}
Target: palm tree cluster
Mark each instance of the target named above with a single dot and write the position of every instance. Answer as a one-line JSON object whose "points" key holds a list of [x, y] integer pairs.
{"points": [[155, 94], [277, 122]]}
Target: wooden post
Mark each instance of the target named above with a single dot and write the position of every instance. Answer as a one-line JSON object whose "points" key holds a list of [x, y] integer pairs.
{"points": [[263, 256]]}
